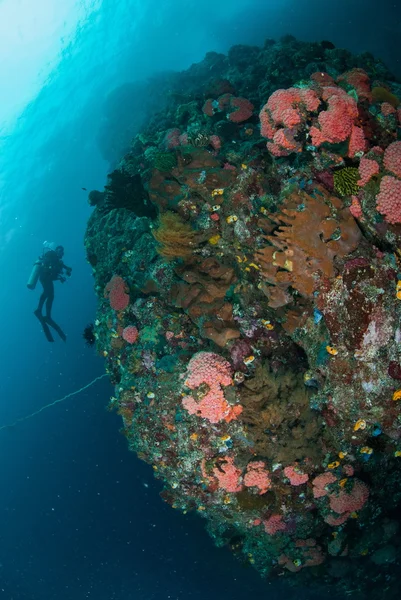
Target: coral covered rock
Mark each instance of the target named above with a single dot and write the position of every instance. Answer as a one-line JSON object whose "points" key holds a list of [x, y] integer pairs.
{"points": [[252, 329]]}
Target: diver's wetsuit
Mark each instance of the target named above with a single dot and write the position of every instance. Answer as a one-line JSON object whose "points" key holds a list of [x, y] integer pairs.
{"points": [[51, 270], [47, 294]]}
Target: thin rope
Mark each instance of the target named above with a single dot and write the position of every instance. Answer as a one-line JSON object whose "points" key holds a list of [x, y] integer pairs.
{"points": [[55, 402]]}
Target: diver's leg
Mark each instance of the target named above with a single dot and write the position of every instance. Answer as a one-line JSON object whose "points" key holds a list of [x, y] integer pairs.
{"points": [[49, 300], [42, 298], [38, 311], [48, 317], [41, 303]]}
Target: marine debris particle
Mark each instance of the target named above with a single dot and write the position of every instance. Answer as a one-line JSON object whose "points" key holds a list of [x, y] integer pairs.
{"points": [[252, 330]]}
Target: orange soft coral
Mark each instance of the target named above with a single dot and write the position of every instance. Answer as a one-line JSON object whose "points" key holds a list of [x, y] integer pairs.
{"points": [[312, 232]]}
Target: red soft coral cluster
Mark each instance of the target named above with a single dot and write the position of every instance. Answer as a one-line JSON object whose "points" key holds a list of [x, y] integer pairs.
{"points": [[257, 476], [116, 292], [389, 199], [274, 524], [212, 372], [367, 169], [309, 553], [321, 483], [336, 123], [295, 475], [228, 475], [282, 116], [392, 158], [343, 501], [238, 109], [358, 80], [350, 501], [324, 111], [130, 334]]}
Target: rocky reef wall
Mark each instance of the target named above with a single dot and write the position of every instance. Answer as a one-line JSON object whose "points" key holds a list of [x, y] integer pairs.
{"points": [[246, 259]]}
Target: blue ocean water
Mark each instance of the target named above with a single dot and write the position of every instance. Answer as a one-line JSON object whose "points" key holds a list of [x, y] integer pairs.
{"points": [[80, 516]]}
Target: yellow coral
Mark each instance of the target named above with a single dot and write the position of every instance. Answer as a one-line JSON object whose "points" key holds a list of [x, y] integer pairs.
{"points": [[381, 94], [214, 239], [345, 181], [333, 465], [331, 350], [360, 424], [249, 359], [177, 239]]}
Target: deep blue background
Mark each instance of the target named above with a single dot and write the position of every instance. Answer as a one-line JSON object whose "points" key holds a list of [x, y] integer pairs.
{"points": [[80, 516]]}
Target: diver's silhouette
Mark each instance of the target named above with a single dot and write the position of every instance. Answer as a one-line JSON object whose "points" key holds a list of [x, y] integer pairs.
{"points": [[47, 269]]}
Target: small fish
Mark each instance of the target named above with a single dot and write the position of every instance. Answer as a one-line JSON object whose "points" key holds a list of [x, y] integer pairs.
{"points": [[84, 189]]}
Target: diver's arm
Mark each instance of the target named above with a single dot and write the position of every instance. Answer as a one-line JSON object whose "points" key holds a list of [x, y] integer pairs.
{"points": [[67, 269]]}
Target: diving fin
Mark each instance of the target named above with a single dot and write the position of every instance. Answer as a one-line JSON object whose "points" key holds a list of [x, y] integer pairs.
{"points": [[45, 326], [56, 327]]}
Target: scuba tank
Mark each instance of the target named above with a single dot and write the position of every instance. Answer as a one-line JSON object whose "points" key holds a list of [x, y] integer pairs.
{"points": [[34, 276]]}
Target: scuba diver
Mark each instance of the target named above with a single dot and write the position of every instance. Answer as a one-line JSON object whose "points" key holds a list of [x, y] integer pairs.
{"points": [[48, 269]]}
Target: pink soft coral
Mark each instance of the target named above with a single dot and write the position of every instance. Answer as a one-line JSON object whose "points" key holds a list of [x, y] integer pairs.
{"points": [[324, 112], [213, 371], [359, 80], [357, 142], [228, 475], [242, 110], [287, 108], [392, 158], [387, 109], [367, 169], [295, 475], [116, 292], [274, 524], [389, 199], [356, 209], [321, 482], [257, 476], [130, 334], [335, 124], [349, 501]]}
